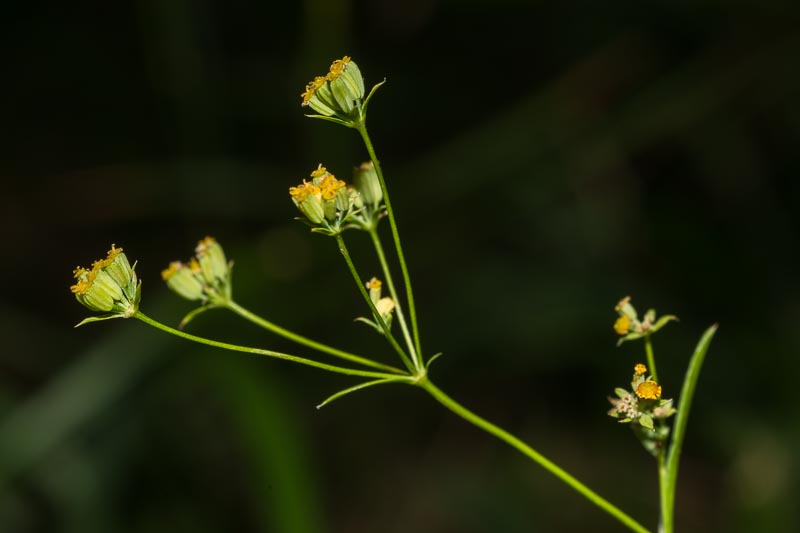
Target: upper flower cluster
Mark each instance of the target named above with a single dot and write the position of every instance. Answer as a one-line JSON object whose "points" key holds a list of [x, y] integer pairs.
{"points": [[110, 286], [339, 94], [630, 327]]}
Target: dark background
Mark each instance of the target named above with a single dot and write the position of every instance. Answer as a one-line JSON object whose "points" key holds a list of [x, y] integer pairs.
{"points": [[545, 160]]}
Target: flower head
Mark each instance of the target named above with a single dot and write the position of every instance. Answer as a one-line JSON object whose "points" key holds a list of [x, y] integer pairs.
{"points": [[327, 202], [629, 326], [639, 369], [110, 286], [339, 94], [206, 277], [649, 390]]}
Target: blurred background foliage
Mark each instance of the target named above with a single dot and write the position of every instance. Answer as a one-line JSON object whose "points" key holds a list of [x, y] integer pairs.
{"points": [[545, 160]]}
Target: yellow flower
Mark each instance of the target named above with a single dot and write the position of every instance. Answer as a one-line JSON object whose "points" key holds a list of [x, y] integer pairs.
{"points": [[337, 67], [649, 390], [109, 286], [622, 325], [640, 369]]}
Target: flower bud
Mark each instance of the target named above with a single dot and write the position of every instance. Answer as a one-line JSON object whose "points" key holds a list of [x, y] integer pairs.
{"points": [[367, 184], [206, 277], [183, 281], [212, 261], [110, 286]]}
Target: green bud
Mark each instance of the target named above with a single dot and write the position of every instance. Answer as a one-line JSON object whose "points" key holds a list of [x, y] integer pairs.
{"points": [[367, 184], [374, 286], [212, 261], [183, 281], [205, 278]]}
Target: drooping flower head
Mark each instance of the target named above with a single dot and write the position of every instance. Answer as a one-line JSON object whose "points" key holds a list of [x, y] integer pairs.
{"points": [[110, 286], [338, 95]]}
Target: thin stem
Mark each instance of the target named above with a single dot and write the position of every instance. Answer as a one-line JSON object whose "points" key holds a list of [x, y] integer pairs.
{"points": [[258, 351], [376, 241], [651, 359], [362, 129], [535, 456], [681, 420], [663, 492], [305, 341], [375, 313], [362, 386]]}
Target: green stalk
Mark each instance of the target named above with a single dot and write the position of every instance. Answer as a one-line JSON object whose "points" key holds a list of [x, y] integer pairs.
{"points": [[376, 241], [679, 431], [532, 454], [305, 341], [651, 359], [362, 129], [258, 351], [375, 313]]}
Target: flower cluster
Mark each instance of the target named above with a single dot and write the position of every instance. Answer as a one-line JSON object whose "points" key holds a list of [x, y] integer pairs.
{"points": [[338, 96], [206, 277], [328, 203], [628, 325], [110, 286], [384, 305], [339, 92], [641, 406]]}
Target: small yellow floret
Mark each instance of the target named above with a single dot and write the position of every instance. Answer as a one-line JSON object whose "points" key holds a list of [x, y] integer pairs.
{"points": [[622, 325], [85, 279], [640, 369], [319, 172], [194, 266], [649, 390], [337, 67], [329, 186], [374, 283], [171, 270], [205, 243], [311, 88], [112, 254], [303, 191]]}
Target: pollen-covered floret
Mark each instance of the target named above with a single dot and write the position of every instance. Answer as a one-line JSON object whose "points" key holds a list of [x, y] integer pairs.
{"points": [[649, 390]]}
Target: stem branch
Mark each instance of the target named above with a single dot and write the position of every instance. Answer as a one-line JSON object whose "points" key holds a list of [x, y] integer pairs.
{"points": [[535, 456]]}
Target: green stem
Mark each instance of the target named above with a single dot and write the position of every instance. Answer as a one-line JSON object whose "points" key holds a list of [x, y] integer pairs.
{"points": [[663, 492], [258, 351], [532, 454], [651, 359], [362, 288], [679, 430], [266, 324], [362, 129], [376, 241]]}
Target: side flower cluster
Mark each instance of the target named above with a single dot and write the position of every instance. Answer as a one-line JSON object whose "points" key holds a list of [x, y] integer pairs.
{"points": [[110, 286], [384, 305], [327, 203], [641, 405], [630, 327], [206, 277]]}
